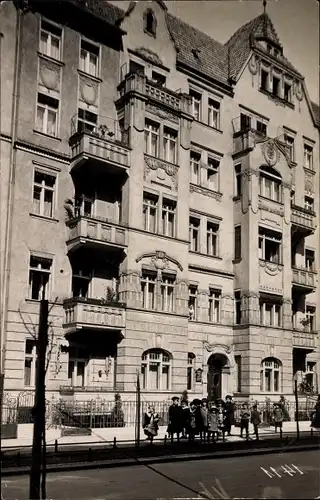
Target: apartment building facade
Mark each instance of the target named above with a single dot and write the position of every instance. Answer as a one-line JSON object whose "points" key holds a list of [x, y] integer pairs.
{"points": [[162, 192]]}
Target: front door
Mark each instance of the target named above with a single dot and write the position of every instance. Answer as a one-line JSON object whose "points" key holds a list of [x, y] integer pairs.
{"points": [[214, 383]]}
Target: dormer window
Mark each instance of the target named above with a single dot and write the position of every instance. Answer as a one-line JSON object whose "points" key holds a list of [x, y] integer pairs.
{"points": [[150, 22], [287, 92], [276, 53], [264, 80]]}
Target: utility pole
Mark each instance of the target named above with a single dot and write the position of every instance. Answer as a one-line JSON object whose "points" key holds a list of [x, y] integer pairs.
{"points": [[40, 403]]}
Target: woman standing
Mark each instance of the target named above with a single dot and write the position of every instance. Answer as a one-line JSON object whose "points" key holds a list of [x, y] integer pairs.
{"points": [[151, 423]]}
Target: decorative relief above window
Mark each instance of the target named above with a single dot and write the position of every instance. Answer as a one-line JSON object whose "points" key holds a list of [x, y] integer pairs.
{"points": [[163, 169], [162, 113], [88, 90], [49, 75]]}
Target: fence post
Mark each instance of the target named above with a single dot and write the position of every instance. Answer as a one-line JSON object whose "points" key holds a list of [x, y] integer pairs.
{"points": [[138, 412], [56, 446], [115, 442], [297, 407]]}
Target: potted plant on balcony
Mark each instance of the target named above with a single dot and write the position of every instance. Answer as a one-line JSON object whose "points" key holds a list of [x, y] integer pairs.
{"points": [[305, 322]]}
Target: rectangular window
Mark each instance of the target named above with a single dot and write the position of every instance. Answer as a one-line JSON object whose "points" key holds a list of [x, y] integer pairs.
{"points": [[167, 293], [214, 113], [214, 306], [151, 138], [238, 180], [87, 121], [213, 174], [196, 104], [287, 92], [309, 204], [43, 194], [158, 78], [276, 86], [83, 205], [245, 122], [150, 206], [39, 276], [238, 372], [194, 233], [77, 372], [261, 128], [264, 77], [81, 278], [195, 168], [169, 145], [237, 242], [89, 58], [289, 142], [193, 302], [270, 313], [168, 217], [270, 185], [148, 290], [50, 40], [269, 245], [311, 318], [238, 312], [212, 239], [47, 115], [308, 157], [310, 260], [30, 358]]}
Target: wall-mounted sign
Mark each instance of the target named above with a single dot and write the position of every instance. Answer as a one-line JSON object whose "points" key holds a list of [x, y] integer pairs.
{"points": [[199, 372]]}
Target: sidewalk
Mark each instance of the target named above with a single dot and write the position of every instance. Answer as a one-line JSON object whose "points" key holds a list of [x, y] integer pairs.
{"points": [[127, 435]]}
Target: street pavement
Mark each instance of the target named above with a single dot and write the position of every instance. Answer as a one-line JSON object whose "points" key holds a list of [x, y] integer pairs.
{"points": [[290, 475]]}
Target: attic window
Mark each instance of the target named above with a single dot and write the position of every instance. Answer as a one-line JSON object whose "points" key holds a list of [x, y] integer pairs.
{"points": [[150, 22], [276, 86]]}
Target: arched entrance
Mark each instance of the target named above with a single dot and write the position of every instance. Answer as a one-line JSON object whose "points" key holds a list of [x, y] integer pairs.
{"points": [[218, 369]]}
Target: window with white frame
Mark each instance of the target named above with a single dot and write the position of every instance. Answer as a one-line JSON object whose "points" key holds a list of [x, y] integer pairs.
{"points": [[214, 311], [77, 367], [309, 260], [237, 242], [89, 58], [238, 180], [196, 104], [238, 310], [50, 40], [151, 138], [309, 203], [168, 217], [289, 142], [270, 312], [47, 115], [308, 156], [195, 159], [194, 234], [212, 171], [270, 245], [167, 293], [190, 371], [212, 239], [193, 302], [270, 375], [156, 370], [43, 193], [30, 359], [214, 113], [169, 145], [148, 290], [311, 318], [270, 183], [150, 207], [39, 277], [87, 121]]}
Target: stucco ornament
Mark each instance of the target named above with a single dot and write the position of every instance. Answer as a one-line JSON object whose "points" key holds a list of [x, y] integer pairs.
{"points": [[298, 90], [253, 65], [160, 260], [271, 152], [308, 185], [88, 93], [49, 76], [217, 347], [149, 55], [271, 268]]}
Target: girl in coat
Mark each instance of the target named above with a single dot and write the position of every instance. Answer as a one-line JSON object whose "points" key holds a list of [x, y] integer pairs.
{"points": [[278, 418], [213, 429], [151, 423]]}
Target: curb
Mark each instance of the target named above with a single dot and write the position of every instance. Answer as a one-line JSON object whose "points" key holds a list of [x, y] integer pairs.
{"points": [[127, 462]]}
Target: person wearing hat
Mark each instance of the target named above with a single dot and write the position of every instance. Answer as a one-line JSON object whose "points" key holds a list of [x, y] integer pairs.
{"points": [[229, 414], [204, 411], [213, 429], [175, 425], [278, 418]]}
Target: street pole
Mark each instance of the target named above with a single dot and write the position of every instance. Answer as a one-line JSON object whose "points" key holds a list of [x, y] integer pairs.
{"points": [[138, 413], [39, 405], [297, 407]]}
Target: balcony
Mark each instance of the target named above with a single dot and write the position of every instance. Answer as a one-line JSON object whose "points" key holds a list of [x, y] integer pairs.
{"points": [[304, 339], [93, 314], [302, 221], [104, 145], [244, 138], [95, 234], [139, 83], [303, 280]]}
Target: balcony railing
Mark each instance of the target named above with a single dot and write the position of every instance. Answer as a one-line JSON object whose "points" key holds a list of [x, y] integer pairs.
{"points": [[303, 277], [302, 218], [137, 82], [93, 314], [107, 140], [304, 339], [85, 229]]}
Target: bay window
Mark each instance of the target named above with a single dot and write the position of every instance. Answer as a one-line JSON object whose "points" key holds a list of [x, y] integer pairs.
{"points": [[309, 203], [270, 184], [269, 245]]}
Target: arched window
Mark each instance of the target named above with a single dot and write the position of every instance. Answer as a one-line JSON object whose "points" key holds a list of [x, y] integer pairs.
{"points": [[150, 22], [270, 183], [156, 370], [270, 375], [190, 371]]}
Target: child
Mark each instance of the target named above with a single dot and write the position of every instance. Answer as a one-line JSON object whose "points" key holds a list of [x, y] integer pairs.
{"points": [[213, 429], [185, 419], [255, 420], [244, 421], [192, 421], [278, 418]]}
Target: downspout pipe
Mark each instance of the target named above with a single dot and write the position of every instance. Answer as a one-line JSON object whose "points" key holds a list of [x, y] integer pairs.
{"points": [[11, 186]]}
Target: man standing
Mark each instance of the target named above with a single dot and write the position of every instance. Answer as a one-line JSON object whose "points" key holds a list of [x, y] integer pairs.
{"points": [[229, 414], [175, 419], [255, 420]]}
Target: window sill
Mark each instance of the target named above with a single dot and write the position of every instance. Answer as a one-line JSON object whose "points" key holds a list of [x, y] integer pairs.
{"points": [[205, 190], [208, 126], [271, 199], [42, 134], [88, 75], [51, 59], [276, 98], [43, 217], [270, 262], [237, 198], [205, 255], [33, 301], [309, 171], [237, 261]]}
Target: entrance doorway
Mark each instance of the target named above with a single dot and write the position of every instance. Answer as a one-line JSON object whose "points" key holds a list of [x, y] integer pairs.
{"points": [[218, 365]]}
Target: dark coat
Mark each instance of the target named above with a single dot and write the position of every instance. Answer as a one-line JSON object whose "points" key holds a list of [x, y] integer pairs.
{"points": [[278, 416], [244, 418], [204, 412], [229, 412], [255, 417], [316, 416], [151, 424], [185, 416], [213, 423], [175, 419]]}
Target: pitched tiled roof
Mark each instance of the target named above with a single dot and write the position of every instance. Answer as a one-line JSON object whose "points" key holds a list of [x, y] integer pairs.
{"points": [[316, 113], [101, 8], [211, 57]]}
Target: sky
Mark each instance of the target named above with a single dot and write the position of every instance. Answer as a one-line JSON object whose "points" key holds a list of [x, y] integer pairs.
{"points": [[295, 21]]}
